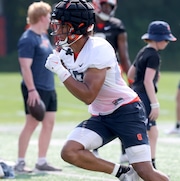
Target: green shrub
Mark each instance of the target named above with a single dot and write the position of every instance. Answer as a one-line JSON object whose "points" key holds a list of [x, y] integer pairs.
{"points": [[9, 63]]}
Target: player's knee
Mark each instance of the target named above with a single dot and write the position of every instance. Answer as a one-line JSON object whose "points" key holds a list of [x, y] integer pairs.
{"points": [[69, 152], [141, 172], [143, 169]]}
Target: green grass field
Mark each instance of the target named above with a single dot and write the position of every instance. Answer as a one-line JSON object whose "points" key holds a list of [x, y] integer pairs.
{"points": [[70, 112]]}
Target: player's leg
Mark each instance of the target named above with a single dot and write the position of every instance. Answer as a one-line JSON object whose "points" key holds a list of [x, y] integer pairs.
{"points": [[45, 137], [50, 100], [45, 133], [148, 173], [140, 158], [74, 153], [25, 135], [137, 147], [152, 131], [23, 142], [44, 141], [79, 143]]}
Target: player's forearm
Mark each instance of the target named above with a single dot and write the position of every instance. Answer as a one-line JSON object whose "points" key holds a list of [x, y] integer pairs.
{"points": [[80, 90]]}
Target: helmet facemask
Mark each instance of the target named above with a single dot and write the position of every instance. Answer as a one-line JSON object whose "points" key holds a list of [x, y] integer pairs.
{"points": [[72, 19], [60, 29]]}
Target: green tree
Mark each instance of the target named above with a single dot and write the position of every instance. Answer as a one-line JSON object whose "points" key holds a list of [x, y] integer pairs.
{"points": [[136, 15]]}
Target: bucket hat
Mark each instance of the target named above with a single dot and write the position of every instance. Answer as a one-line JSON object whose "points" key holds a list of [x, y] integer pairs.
{"points": [[159, 31]]}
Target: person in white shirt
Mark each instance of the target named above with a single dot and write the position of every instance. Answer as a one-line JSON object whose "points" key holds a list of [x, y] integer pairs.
{"points": [[88, 68]]}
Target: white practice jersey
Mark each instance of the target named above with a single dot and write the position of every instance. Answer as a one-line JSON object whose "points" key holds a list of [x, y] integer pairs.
{"points": [[98, 53]]}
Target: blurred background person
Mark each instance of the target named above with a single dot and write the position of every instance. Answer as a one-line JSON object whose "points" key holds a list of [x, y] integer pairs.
{"points": [[38, 83], [176, 129], [113, 30], [145, 72]]}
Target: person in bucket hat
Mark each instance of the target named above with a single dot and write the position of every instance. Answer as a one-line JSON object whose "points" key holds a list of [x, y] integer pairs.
{"points": [[159, 31], [145, 73]]}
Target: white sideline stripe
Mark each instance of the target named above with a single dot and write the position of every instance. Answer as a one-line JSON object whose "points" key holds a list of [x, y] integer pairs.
{"points": [[75, 175]]}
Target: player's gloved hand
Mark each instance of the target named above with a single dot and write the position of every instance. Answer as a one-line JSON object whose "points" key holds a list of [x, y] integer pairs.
{"points": [[54, 64]]}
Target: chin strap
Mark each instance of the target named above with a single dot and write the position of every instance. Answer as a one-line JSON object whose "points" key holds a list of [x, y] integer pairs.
{"points": [[66, 44]]}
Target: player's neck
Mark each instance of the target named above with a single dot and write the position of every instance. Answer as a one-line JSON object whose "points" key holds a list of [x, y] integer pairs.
{"points": [[77, 46]]}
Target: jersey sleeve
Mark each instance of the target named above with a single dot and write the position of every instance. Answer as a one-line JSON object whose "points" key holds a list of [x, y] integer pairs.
{"points": [[103, 57]]}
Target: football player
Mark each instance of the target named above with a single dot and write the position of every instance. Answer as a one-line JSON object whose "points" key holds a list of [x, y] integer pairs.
{"points": [[91, 73]]}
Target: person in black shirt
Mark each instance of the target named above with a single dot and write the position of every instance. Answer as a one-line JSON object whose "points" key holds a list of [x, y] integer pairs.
{"points": [[113, 30], [145, 72]]}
